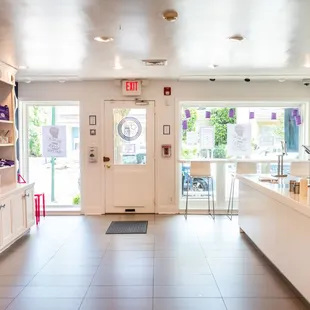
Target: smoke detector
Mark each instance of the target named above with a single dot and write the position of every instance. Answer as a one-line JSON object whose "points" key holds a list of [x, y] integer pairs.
{"points": [[155, 62], [170, 15]]}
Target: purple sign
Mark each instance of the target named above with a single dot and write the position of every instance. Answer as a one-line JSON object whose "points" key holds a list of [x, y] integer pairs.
{"points": [[298, 120], [184, 124], [273, 115], [294, 112], [208, 114], [251, 115], [187, 113], [231, 113]]}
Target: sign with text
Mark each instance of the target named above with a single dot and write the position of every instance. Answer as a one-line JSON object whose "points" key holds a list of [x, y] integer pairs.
{"points": [[54, 141], [131, 88], [207, 138]]}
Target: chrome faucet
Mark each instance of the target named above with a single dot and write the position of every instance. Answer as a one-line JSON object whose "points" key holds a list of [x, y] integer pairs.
{"points": [[280, 173]]}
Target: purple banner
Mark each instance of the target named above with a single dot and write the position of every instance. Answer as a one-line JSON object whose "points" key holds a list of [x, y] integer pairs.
{"points": [[231, 113], [208, 114], [251, 115], [295, 112], [184, 124], [273, 115], [298, 120], [187, 113]]}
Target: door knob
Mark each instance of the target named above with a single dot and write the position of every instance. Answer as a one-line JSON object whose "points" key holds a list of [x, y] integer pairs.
{"points": [[106, 159], [108, 166]]}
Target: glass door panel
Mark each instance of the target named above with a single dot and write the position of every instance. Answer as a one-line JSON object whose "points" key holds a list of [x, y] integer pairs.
{"points": [[57, 177]]}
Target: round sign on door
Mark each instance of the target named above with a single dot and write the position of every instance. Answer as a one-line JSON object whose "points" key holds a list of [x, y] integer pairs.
{"points": [[129, 129]]}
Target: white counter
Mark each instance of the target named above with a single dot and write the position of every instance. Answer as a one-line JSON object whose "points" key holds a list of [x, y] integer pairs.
{"points": [[278, 222]]}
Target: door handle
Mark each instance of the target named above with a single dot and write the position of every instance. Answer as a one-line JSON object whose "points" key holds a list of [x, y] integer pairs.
{"points": [[108, 166], [106, 159]]}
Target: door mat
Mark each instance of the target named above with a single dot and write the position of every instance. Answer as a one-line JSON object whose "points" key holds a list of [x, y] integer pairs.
{"points": [[127, 227]]}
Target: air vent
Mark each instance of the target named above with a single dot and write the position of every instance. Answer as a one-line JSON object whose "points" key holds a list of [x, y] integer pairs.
{"points": [[155, 62]]}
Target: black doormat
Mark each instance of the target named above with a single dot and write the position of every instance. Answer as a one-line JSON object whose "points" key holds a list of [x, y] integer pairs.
{"points": [[127, 227]]}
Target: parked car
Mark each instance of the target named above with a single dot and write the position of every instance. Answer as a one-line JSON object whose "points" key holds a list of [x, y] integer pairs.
{"points": [[195, 184]]}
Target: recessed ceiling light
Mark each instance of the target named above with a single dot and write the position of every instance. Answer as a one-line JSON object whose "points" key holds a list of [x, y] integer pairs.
{"points": [[62, 81], [282, 80], [27, 81], [213, 66], [118, 67], [236, 37], [22, 67], [170, 15], [103, 39], [307, 65]]}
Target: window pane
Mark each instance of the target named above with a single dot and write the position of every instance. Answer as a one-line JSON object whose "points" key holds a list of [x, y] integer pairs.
{"points": [[129, 136]]}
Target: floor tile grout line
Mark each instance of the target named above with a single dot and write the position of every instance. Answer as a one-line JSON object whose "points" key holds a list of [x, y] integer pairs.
{"points": [[213, 274], [33, 276], [90, 283]]}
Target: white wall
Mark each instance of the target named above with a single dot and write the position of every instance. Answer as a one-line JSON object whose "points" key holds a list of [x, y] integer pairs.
{"points": [[91, 95]]}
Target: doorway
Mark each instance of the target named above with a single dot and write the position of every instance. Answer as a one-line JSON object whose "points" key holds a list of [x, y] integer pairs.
{"points": [[58, 175], [129, 157]]}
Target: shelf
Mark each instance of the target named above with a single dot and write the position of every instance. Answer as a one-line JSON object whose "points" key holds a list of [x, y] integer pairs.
{"points": [[6, 122], [7, 144], [7, 167]]}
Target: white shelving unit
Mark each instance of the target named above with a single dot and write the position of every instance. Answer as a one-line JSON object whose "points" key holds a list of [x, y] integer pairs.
{"points": [[16, 200]]}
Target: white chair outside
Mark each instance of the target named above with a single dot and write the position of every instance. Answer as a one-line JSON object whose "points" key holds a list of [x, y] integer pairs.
{"points": [[241, 168], [202, 169]]}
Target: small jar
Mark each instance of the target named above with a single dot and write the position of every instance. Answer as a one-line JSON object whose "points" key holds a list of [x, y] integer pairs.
{"points": [[297, 188], [292, 185]]}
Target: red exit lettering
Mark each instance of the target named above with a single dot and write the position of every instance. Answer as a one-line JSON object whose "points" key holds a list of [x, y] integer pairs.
{"points": [[132, 86]]}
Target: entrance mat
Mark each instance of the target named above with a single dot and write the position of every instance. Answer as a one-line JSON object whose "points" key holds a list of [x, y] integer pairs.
{"points": [[127, 227]]}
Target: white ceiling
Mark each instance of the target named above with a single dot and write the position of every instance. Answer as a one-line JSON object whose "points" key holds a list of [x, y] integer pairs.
{"points": [[54, 38]]}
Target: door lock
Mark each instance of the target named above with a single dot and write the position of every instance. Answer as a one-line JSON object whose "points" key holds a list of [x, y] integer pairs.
{"points": [[106, 159]]}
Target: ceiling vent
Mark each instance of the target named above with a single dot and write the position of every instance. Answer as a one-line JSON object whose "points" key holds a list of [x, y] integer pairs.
{"points": [[155, 62]]}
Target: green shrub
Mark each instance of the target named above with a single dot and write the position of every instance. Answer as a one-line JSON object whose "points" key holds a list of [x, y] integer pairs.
{"points": [[76, 199]]}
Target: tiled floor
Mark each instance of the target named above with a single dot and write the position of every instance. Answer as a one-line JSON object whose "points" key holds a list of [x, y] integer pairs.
{"points": [[68, 263]]}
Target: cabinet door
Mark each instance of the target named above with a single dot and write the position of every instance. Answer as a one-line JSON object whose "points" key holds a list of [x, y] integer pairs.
{"points": [[18, 214], [6, 221], [29, 207]]}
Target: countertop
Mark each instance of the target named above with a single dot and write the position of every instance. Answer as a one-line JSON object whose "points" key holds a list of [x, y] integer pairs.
{"points": [[279, 191], [13, 188]]}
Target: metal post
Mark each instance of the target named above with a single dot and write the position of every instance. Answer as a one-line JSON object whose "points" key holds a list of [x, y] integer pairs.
{"points": [[53, 161]]}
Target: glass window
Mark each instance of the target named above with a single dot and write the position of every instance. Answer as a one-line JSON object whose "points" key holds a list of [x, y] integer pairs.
{"points": [[269, 126], [129, 136]]}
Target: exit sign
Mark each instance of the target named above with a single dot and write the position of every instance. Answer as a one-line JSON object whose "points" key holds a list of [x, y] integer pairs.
{"points": [[131, 88]]}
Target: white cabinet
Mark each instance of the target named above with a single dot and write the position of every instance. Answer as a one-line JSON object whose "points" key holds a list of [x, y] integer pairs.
{"points": [[18, 213], [29, 207], [7, 233]]}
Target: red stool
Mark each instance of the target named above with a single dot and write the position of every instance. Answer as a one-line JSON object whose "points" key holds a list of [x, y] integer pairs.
{"points": [[37, 210], [38, 197]]}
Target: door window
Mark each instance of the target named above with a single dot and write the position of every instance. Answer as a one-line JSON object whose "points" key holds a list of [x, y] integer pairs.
{"points": [[129, 136]]}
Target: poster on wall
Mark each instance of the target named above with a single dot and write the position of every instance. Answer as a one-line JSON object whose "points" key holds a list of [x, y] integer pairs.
{"points": [[239, 140], [54, 142], [207, 138]]}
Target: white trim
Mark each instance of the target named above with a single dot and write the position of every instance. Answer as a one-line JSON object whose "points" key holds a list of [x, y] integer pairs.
{"points": [[24, 142]]}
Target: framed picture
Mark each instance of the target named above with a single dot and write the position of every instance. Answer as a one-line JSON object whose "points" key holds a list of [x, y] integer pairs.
{"points": [[92, 132], [92, 120], [166, 130]]}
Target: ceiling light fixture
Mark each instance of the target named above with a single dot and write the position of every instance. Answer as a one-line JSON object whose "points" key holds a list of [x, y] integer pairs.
{"points": [[236, 38], [282, 80], [103, 39], [62, 81], [22, 67], [213, 66], [27, 81], [170, 15]]}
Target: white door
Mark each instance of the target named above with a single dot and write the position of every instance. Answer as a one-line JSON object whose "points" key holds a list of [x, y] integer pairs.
{"points": [[129, 157]]}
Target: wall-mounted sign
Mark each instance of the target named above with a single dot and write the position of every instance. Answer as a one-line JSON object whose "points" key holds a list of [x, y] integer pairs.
{"points": [[239, 139], [54, 142], [131, 88]]}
